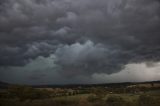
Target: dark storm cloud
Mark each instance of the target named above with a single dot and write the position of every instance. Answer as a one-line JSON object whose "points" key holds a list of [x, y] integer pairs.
{"points": [[88, 58], [86, 36]]}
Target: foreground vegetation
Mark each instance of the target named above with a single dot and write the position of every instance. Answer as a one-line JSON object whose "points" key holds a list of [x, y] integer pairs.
{"points": [[93, 96]]}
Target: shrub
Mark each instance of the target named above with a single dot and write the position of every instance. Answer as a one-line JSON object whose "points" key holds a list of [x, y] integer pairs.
{"points": [[64, 102], [25, 92], [147, 100], [92, 98], [99, 92], [115, 101]]}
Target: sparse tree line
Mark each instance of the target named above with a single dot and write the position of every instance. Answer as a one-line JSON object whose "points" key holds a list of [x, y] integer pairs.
{"points": [[27, 92], [100, 96], [24, 93]]}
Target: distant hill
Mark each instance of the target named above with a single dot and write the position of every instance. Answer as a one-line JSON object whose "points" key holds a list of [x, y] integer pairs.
{"points": [[112, 85], [4, 85]]}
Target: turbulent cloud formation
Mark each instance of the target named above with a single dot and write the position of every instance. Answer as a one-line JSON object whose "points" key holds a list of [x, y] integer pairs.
{"points": [[88, 58], [131, 72], [85, 36]]}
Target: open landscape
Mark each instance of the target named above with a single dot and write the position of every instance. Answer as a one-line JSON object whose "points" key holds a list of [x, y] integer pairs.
{"points": [[114, 94], [79, 52]]}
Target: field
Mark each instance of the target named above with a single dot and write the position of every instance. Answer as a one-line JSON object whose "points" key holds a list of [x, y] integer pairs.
{"points": [[81, 96]]}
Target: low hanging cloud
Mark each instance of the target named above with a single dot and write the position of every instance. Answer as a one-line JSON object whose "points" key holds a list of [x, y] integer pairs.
{"points": [[38, 71], [85, 36], [33, 73], [131, 73]]}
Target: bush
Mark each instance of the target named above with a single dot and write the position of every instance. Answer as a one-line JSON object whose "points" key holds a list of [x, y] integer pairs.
{"points": [[25, 92], [115, 101], [92, 98], [147, 100], [99, 92], [65, 102]]}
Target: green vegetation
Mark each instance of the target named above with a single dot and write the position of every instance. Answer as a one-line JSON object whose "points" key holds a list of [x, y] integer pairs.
{"points": [[93, 96], [115, 101], [26, 93]]}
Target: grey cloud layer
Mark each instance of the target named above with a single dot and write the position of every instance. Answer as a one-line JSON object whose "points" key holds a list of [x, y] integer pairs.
{"points": [[86, 36], [87, 58]]}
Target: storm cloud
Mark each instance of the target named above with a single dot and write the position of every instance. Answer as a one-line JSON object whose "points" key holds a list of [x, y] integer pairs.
{"points": [[84, 36]]}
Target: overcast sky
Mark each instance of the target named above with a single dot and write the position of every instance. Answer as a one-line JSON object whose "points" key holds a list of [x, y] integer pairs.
{"points": [[79, 41]]}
